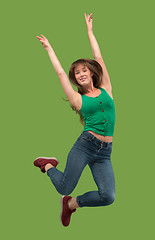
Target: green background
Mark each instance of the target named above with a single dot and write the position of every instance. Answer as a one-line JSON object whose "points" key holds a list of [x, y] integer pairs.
{"points": [[35, 121]]}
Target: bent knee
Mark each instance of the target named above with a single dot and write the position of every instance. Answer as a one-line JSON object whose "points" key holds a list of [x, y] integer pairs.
{"points": [[111, 198], [108, 198], [65, 191]]}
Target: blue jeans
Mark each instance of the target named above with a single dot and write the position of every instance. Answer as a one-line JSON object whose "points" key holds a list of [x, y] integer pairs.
{"points": [[97, 154]]}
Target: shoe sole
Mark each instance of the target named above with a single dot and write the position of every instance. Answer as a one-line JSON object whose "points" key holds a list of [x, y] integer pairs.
{"points": [[49, 158], [62, 208]]}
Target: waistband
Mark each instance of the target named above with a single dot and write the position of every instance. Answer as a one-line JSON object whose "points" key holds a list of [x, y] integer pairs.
{"points": [[92, 137]]}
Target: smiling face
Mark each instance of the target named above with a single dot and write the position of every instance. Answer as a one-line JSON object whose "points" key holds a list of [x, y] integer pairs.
{"points": [[83, 75]]}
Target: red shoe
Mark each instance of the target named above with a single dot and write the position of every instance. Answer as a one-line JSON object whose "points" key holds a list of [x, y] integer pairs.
{"points": [[66, 212], [42, 161]]}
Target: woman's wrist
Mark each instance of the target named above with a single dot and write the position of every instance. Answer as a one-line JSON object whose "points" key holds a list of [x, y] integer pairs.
{"points": [[49, 49], [90, 32]]}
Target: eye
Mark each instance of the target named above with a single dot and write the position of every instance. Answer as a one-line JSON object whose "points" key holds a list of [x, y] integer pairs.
{"points": [[83, 70]]}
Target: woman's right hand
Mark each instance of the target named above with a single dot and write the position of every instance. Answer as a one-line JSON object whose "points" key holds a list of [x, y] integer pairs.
{"points": [[44, 42], [89, 23]]}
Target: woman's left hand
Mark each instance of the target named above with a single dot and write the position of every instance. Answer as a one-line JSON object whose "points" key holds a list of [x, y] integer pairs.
{"points": [[89, 23]]}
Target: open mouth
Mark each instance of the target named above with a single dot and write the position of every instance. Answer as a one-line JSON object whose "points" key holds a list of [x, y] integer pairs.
{"points": [[83, 79]]}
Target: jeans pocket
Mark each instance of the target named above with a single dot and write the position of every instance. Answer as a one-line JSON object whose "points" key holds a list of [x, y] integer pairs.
{"points": [[107, 148], [110, 148], [85, 137]]}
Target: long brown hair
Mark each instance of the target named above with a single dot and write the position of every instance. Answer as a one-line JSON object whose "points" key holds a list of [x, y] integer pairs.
{"points": [[97, 71]]}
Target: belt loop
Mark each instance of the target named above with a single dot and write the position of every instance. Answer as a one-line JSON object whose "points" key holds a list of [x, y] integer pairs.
{"points": [[92, 137], [105, 144]]}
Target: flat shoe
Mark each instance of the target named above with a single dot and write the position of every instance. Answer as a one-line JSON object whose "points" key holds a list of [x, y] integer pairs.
{"points": [[65, 212], [42, 161]]}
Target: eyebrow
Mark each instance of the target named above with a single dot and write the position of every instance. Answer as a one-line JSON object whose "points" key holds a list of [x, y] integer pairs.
{"points": [[78, 69]]}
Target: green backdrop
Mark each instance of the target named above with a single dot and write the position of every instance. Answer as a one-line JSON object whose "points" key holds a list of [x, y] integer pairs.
{"points": [[35, 121]]}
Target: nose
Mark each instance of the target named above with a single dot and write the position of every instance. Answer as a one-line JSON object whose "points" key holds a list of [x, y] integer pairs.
{"points": [[81, 76]]}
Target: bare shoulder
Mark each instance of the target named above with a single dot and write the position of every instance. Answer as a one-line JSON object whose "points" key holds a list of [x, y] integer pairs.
{"points": [[108, 89]]}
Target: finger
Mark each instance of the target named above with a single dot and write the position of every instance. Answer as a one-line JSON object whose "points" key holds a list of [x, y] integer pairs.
{"points": [[39, 37], [89, 16], [41, 40], [43, 36], [86, 17]]}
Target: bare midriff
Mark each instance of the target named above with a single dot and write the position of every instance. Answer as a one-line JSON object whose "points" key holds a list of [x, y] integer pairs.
{"points": [[102, 138]]}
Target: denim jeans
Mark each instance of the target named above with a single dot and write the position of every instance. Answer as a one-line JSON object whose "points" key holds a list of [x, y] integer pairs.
{"points": [[97, 154]]}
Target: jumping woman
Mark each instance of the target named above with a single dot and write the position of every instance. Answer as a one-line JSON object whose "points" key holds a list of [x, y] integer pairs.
{"points": [[95, 106]]}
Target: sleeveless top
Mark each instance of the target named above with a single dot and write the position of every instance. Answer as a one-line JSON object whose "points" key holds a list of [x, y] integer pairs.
{"points": [[99, 113]]}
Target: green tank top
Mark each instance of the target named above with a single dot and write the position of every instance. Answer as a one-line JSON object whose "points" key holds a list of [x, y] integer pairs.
{"points": [[99, 113]]}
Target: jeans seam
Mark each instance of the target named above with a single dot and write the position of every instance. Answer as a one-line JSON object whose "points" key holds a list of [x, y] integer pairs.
{"points": [[102, 182], [56, 182]]}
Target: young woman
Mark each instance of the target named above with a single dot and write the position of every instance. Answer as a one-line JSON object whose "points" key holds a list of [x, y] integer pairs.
{"points": [[94, 103]]}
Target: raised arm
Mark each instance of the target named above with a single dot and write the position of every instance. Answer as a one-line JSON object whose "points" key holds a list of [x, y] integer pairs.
{"points": [[71, 94], [96, 51]]}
